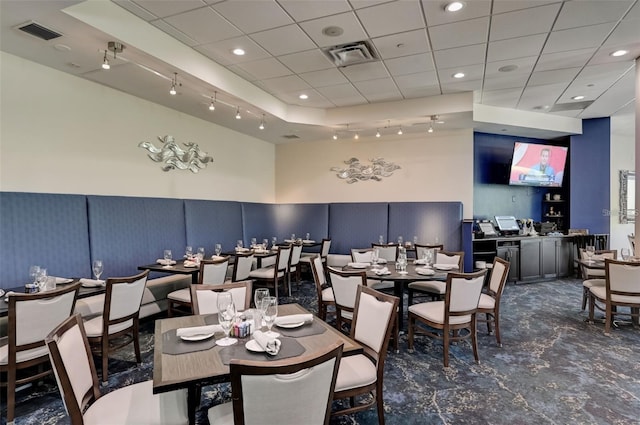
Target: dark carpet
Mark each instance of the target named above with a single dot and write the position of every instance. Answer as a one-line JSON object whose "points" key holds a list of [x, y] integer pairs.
{"points": [[553, 368]]}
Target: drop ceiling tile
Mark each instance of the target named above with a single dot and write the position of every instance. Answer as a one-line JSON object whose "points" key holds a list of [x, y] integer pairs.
{"points": [[461, 86], [502, 82], [410, 64], [603, 74], [315, 100], [385, 96], [311, 60], [603, 55], [416, 81], [460, 56], [534, 96], [265, 68], [173, 32], [359, 4], [353, 31], [634, 14], [391, 18], [523, 22], [436, 15], [223, 50], [365, 71], [618, 98], [574, 58], [524, 67], [471, 72], [577, 38], [272, 40], [506, 98], [416, 93], [542, 78], [325, 77], [403, 44], [163, 9], [303, 10], [459, 34], [377, 86], [203, 25], [264, 15], [502, 6], [342, 95], [625, 34], [285, 84], [242, 73], [136, 9], [582, 13], [515, 47]]}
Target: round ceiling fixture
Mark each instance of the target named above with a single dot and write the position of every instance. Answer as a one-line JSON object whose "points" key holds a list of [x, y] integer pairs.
{"points": [[458, 75], [619, 53], [332, 31], [579, 97], [508, 68], [62, 47], [238, 51], [454, 6]]}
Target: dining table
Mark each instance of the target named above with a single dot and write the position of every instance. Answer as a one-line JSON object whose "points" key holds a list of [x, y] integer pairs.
{"points": [[177, 268], [258, 254], [181, 364]]}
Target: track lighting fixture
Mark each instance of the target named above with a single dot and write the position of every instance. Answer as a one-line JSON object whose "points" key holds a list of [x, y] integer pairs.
{"points": [[174, 82], [400, 131], [335, 136], [434, 119], [356, 136], [105, 62], [261, 127], [430, 130], [112, 46], [212, 106], [377, 133], [238, 113]]}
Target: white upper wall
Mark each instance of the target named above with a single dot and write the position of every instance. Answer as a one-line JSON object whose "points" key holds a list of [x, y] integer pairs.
{"points": [[622, 158], [64, 134]]}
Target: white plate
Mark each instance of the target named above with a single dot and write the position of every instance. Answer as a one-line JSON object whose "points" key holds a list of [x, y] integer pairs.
{"points": [[252, 345], [61, 280], [200, 337], [309, 241], [445, 266], [290, 325], [383, 274], [187, 265], [359, 265], [424, 272]]}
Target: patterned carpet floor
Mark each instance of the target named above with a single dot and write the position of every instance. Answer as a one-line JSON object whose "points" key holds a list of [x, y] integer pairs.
{"points": [[553, 368]]}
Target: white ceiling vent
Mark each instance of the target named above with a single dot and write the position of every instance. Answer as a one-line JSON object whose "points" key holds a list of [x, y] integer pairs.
{"points": [[351, 54]]}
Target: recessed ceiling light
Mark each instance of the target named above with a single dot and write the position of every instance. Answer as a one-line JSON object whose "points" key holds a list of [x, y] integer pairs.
{"points": [[332, 31], [238, 51], [619, 53], [508, 68], [541, 107], [458, 75], [303, 96], [578, 97], [454, 6]]}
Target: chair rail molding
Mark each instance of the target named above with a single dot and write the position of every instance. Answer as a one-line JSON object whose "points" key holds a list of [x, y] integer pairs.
{"points": [[174, 157], [355, 171]]}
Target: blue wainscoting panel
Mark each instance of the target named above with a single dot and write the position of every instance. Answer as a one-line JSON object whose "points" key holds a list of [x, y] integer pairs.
{"points": [[259, 221], [48, 230], [212, 222], [356, 225], [429, 221], [302, 219], [129, 232]]}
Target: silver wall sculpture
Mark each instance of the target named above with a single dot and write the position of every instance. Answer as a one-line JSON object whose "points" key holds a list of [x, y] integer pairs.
{"points": [[355, 171], [173, 156]]}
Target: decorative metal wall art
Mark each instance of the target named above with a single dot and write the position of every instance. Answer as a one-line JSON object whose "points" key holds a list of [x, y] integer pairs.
{"points": [[355, 171], [173, 156]]}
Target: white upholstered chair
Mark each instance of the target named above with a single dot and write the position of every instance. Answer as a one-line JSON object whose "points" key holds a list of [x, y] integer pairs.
{"points": [[363, 374], [212, 272], [323, 289], [307, 257], [293, 391], [205, 297], [294, 264], [345, 289], [421, 249], [117, 327], [594, 277], [31, 318], [363, 255], [274, 274], [436, 288], [242, 266], [446, 319], [490, 301], [75, 372]]}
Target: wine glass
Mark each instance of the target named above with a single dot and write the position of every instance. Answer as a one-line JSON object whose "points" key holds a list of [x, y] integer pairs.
{"points": [[590, 250], [274, 241], [270, 307], [258, 296], [200, 254], [381, 240], [218, 249], [308, 237], [254, 242], [33, 273], [188, 252], [293, 237], [41, 279], [625, 253], [239, 244], [375, 256], [97, 268], [265, 243], [168, 257], [400, 240], [226, 316]]}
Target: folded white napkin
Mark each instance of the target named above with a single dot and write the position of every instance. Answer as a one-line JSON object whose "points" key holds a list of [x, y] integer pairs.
{"points": [[382, 261], [309, 241], [383, 271], [91, 283], [269, 344], [165, 262], [60, 280], [188, 263], [424, 271], [293, 319], [358, 265], [420, 262], [242, 249], [260, 251], [198, 330], [6, 296], [217, 257]]}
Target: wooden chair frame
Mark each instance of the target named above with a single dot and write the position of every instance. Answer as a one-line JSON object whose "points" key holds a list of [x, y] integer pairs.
{"points": [[586, 288], [221, 288], [412, 291], [279, 267], [177, 306], [340, 308], [321, 283], [493, 315]]}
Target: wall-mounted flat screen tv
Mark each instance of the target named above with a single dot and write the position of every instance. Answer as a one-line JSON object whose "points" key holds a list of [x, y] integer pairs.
{"points": [[537, 165]]}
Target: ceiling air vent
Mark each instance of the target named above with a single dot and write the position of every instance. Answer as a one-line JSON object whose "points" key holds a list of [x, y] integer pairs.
{"points": [[39, 31], [572, 106], [351, 54], [290, 136]]}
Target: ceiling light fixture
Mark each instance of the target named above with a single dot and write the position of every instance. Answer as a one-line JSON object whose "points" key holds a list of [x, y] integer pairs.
{"points": [[356, 136], [335, 136], [303, 96], [112, 46], [458, 75], [212, 107], [174, 82], [105, 62], [619, 53], [238, 51], [434, 119], [400, 131], [377, 132], [454, 6], [261, 127], [238, 113], [579, 97], [430, 130]]}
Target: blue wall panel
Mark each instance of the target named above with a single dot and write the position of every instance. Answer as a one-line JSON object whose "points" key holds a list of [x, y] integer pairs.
{"points": [[356, 225], [212, 222], [302, 219], [259, 221], [427, 221]]}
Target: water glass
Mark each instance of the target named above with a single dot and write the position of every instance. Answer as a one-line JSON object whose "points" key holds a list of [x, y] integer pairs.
{"points": [[308, 236], [97, 268], [625, 253], [590, 251], [375, 256], [41, 279], [265, 243], [254, 242], [218, 249], [381, 239], [226, 317], [168, 256], [270, 308], [239, 244], [274, 241], [400, 240], [293, 237], [33, 273], [188, 252], [200, 253]]}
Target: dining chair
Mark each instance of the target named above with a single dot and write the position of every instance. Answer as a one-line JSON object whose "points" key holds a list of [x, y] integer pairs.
{"points": [[594, 277], [307, 257], [362, 255], [388, 252], [632, 243], [292, 391], [622, 289], [345, 289], [294, 265], [363, 374], [205, 297], [70, 354], [212, 272], [272, 275], [118, 325], [489, 303], [23, 353], [421, 249], [242, 266], [446, 319], [324, 291], [436, 288]]}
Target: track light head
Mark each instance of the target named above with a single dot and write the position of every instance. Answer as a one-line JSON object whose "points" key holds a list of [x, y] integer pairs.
{"points": [[105, 62], [238, 116]]}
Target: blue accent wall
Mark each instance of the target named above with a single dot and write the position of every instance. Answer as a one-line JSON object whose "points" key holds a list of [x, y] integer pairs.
{"points": [[589, 154]]}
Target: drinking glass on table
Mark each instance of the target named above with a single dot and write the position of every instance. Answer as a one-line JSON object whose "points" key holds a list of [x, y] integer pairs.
{"points": [[226, 316], [218, 249], [239, 244], [188, 252], [274, 241], [97, 268], [200, 253], [381, 240], [308, 237], [270, 307], [293, 237], [625, 253], [33, 273], [168, 257], [400, 240], [42, 279], [258, 296], [254, 242], [265, 243], [375, 256], [590, 251]]}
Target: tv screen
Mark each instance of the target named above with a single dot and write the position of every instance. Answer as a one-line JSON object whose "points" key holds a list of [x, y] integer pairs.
{"points": [[537, 165]]}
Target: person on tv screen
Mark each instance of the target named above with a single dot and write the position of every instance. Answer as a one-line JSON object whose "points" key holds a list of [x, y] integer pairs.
{"points": [[543, 167]]}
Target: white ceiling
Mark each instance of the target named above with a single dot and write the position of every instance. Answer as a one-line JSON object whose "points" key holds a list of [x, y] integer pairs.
{"points": [[556, 49]]}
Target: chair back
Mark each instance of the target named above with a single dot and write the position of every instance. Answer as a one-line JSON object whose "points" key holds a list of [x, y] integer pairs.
{"points": [[599, 255], [345, 287], [286, 392], [325, 247], [421, 249], [450, 257], [73, 365], [387, 251], [204, 298], [283, 258], [623, 281], [632, 243], [463, 293], [296, 252], [373, 320], [242, 267], [319, 276], [361, 255], [498, 278], [213, 272], [122, 300]]}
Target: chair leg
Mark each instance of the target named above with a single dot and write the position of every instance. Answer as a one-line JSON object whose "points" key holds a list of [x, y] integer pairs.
{"points": [[585, 292], [410, 301], [496, 319], [105, 360], [474, 338], [410, 324], [11, 394], [396, 337], [136, 342], [380, 402], [592, 307], [608, 319], [445, 346], [488, 318]]}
